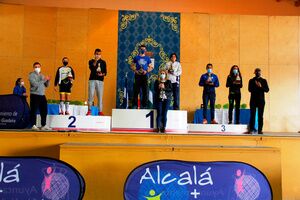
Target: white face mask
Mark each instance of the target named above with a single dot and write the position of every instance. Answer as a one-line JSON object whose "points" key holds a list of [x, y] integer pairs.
{"points": [[37, 70], [162, 76]]}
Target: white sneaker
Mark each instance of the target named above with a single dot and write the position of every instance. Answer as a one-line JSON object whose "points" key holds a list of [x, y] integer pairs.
{"points": [[35, 128], [45, 128]]}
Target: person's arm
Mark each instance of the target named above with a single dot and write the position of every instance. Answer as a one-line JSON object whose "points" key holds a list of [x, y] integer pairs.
{"points": [[229, 82], [150, 66], [250, 86], [264, 86], [168, 86], [15, 90], [216, 81], [92, 64], [73, 73], [241, 83], [178, 71], [24, 92], [133, 66], [47, 82], [104, 68], [202, 81], [56, 77]]}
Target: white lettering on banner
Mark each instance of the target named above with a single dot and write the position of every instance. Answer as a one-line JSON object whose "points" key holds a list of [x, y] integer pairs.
{"points": [[6, 114], [3, 120], [11, 175], [185, 178]]}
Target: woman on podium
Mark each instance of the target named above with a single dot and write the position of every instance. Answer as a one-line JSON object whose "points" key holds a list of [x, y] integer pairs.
{"points": [[163, 91], [234, 83], [174, 72]]}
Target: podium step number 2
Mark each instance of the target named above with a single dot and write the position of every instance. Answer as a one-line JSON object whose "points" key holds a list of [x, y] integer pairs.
{"points": [[78, 123]]}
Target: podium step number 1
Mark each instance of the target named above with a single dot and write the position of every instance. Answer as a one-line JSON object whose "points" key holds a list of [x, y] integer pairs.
{"points": [[144, 120]]}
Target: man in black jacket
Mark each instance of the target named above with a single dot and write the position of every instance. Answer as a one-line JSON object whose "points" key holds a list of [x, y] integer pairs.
{"points": [[257, 87]]}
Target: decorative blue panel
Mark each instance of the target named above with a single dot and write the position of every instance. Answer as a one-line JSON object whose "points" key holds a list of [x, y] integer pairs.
{"points": [[160, 32]]}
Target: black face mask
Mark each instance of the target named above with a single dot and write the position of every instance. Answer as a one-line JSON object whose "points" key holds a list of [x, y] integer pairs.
{"points": [[257, 74], [65, 63]]}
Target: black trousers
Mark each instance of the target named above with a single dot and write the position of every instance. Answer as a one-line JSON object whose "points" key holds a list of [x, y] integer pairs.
{"points": [[175, 90], [260, 105], [162, 111], [141, 83], [38, 102], [211, 97], [237, 99]]}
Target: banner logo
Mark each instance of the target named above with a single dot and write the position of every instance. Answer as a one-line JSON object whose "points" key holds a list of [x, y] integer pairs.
{"points": [[39, 178], [170, 179]]}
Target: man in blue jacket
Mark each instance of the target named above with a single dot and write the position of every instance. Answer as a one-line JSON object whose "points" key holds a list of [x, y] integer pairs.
{"points": [[209, 82]]}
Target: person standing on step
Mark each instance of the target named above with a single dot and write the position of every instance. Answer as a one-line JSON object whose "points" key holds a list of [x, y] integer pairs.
{"points": [[98, 70], [163, 92], [141, 66], [234, 83], [209, 81], [257, 86], [174, 72], [64, 79]]}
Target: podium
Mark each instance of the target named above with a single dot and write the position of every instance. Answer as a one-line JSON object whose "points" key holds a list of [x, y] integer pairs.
{"points": [[78, 123], [218, 128], [144, 120]]}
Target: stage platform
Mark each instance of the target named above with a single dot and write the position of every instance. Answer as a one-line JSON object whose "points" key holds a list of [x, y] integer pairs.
{"points": [[106, 159]]}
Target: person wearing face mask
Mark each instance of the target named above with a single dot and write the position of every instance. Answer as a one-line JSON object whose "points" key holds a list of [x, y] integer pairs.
{"points": [[64, 79], [257, 86], [234, 83], [174, 72], [163, 92], [20, 89], [38, 83], [96, 81], [141, 66], [209, 81]]}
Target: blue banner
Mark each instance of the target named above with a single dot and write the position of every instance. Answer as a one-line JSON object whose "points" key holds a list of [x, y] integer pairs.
{"points": [[170, 180], [36, 178], [159, 32], [14, 112]]}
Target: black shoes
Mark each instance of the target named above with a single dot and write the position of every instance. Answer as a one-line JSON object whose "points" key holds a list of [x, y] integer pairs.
{"points": [[160, 130]]}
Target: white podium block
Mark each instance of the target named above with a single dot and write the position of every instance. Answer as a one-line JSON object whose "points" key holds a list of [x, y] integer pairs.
{"points": [[218, 128], [144, 120], [78, 123]]}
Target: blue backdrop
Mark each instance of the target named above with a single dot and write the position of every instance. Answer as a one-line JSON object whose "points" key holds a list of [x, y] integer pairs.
{"points": [[160, 32]]}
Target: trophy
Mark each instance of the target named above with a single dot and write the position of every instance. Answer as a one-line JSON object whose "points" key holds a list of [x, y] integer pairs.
{"points": [[98, 70], [141, 70], [238, 78], [70, 76], [171, 70], [209, 79], [162, 94]]}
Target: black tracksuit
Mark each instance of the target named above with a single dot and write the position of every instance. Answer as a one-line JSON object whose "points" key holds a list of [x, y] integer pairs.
{"points": [[257, 100], [234, 95]]}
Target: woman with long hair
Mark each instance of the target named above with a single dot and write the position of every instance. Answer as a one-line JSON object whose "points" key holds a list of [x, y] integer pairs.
{"points": [[234, 83], [163, 91]]}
